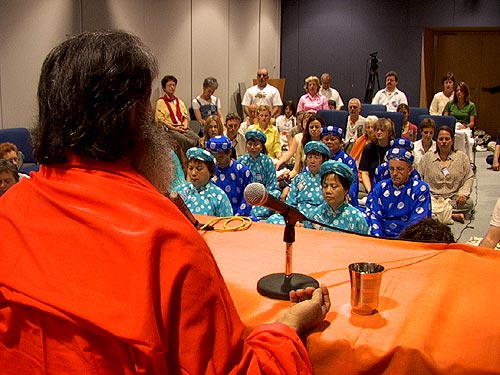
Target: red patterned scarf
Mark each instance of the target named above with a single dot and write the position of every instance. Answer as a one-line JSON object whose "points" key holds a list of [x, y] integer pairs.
{"points": [[177, 117]]}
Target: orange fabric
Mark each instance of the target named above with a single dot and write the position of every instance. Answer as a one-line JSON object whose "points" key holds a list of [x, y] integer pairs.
{"points": [[102, 274], [358, 147], [438, 311]]}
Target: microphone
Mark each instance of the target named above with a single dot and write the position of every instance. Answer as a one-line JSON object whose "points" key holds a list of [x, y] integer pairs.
{"points": [[256, 194], [176, 198]]}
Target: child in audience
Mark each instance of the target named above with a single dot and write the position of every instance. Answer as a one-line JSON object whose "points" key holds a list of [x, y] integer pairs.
{"points": [[285, 123], [200, 194]]}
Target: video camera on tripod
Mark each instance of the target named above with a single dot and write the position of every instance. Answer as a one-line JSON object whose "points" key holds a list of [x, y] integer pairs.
{"points": [[374, 60], [373, 77]]}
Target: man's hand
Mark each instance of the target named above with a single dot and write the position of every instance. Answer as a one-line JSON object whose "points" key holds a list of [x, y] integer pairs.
{"points": [[309, 307]]}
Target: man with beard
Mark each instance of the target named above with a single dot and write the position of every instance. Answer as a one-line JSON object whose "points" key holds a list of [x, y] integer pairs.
{"points": [[100, 272]]}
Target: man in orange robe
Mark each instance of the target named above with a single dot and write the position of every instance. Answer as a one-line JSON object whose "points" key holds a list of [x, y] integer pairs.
{"points": [[101, 273]]}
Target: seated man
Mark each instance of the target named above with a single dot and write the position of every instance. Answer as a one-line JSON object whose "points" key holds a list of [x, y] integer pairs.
{"points": [[145, 295], [230, 175], [8, 175], [390, 96], [400, 201], [171, 112]]}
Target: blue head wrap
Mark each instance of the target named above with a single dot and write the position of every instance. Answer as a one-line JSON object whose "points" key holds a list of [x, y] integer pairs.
{"points": [[200, 154], [331, 130], [318, 147], [255, 134], [400, 154], [338, 168], [401, 143], [219, 143]]}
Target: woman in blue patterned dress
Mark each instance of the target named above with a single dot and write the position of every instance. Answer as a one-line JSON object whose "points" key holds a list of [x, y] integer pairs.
{"points": [[336, 179], [262, 168], [200, 194], [305, 189]]}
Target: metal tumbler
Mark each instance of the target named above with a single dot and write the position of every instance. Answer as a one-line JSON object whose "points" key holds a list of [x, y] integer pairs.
{"points": [[365, 287]]}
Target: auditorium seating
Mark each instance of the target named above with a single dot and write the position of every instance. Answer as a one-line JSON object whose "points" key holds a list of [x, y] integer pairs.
{"points": [[415, 112], [368, 109], [335, 118]]}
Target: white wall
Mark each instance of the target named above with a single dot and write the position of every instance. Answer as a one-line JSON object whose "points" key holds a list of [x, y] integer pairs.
{"points": [[193, 39]]}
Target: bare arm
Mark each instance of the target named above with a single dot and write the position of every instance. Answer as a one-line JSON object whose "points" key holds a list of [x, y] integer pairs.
{"points": [[365, 178], [492, 237], [495, 166]]}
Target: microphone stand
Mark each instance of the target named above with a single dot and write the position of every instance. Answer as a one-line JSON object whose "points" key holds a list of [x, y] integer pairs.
{"points": [[279, 285]]}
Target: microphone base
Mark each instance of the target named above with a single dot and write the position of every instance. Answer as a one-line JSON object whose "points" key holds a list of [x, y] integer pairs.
{"points": [[278, 285]]}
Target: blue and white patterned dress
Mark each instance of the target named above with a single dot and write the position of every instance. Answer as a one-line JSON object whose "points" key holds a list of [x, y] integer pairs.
{"points": [[342, 157], [345, 216], [263, 172], [233, 181], [208, 200], [305, 195], [390, 209]]}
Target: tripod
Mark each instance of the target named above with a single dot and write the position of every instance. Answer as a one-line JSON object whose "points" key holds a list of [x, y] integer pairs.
{"points": [[371, 85]]}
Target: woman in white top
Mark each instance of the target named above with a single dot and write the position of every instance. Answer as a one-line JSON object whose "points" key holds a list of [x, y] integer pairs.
{"points": [[207, 104]]}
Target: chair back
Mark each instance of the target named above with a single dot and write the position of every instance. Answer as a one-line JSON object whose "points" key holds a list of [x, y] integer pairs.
{"points": [[440, 121], [334, 117], [368, 109], [396, 117], [415, 112]]}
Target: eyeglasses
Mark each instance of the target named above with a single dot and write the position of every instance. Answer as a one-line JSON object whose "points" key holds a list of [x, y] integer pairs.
{"points": [[262, 75], [353, 106]]}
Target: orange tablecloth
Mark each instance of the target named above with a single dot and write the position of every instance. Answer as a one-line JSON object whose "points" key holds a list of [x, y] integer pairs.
{"points": [[439, 309]]}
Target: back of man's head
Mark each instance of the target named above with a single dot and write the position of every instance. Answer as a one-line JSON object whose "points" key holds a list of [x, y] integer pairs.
{"points": [[90, 88]]}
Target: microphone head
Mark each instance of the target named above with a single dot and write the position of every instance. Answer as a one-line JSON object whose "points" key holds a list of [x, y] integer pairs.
{"points": [[255, 193]]}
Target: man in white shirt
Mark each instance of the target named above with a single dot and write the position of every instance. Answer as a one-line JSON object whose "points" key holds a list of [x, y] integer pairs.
{"points": [[442, 98], [330, 92], [263, 94], [390, 96], [355, 124]]}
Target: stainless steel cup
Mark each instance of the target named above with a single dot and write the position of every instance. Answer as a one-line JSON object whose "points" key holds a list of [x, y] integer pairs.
{"points": [[365, 287]]}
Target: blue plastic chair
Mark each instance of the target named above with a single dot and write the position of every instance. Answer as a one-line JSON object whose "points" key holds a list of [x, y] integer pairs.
{"points": [[335, 118], [368, 109]]}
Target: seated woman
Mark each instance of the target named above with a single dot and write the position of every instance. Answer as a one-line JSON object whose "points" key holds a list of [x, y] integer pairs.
{"points": [[409, 130], [312, 132], [465, 112], [305, 189], [426, 144], [374, 152], [312, 101], [262, 169], [207, 104], [449, 174], [200, 194], [336, 179], [213, 127], [333, 138], [367, 137]]}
